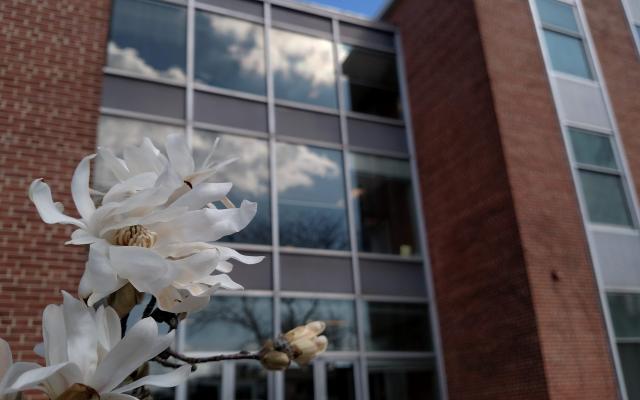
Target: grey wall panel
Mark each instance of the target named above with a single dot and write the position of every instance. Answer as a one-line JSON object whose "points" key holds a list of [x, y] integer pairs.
{"points": [[619, 258], [392, 278], [293, 17], [253, 277], [374, 135], [141, 96], [358, 35], [252, 7], [582, 102], [230, 111], [316, 273], [307, 124]]}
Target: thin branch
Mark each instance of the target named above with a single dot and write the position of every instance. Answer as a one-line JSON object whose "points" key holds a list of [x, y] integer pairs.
{"points": [[243, 355], [165, 363]]}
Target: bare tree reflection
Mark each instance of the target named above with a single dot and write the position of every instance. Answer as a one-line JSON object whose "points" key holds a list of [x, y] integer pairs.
{"points": [[313, 228]]}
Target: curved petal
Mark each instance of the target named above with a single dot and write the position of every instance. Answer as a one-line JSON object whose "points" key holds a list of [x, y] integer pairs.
{"points": [[40, 195], [80, 188], [13, 373], [54, 334], [54, 377], [6, 359], [99, 276], [139, 345], [203, 194], [195, 267], [144, 268], [82, 336], [108, 328], [180, 249], [205, 225], [227, 253], [175, 301], [123, 190], [82, 236], [116, 165], [221, 281], [170, 379], [180, 154]]}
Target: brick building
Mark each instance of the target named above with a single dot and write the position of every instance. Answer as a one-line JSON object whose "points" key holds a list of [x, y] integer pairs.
{"points": [[451, 187]]}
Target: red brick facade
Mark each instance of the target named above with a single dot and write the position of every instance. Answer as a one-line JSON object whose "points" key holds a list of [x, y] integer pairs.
{"points": [[51, 58], [519, 308]]}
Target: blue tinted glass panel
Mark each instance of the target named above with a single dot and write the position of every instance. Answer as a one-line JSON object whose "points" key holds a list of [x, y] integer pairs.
{"points": [[383, 205], [568, 54], [303, 68], [370, 81], [230, 323], [397, 327], [558, 14], [592, 149], [630, 360], [251, 382], [249, 175], [606, 199], [229, 53], [339, 315], [148, 38], [625, 313], [311, 198], [402, 380]]}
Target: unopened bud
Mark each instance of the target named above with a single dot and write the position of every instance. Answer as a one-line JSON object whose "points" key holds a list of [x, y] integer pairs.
{"points": [[275, 360], [78, 391]]}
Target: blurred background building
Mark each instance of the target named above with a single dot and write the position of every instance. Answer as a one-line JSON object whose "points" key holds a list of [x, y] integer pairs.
{"points": [[447, 185]]}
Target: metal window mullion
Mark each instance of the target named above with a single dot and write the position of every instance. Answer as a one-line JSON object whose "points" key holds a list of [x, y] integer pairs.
{"points": [[422, 231], [277, 389], [598, 169], [353, 240], [190, 70]]}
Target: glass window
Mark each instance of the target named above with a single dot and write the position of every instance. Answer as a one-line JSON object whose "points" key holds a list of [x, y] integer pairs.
{"points": [[592, 149], [401, 380], [230, 323], [298, 383], [630, 360], [148, 38], [568, 54], [606, 198], [311, 198], [251, 382], [229, 53], [384, 207], [303, 68], [370, 81], [397, 327], [340, 380], [249, 176], [625, 313], [553, 12], [339, 315], [116, 133], [205, 382]]}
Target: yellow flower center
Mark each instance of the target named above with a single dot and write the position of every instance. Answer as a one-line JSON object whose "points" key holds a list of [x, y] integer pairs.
{"points": [[135, 235]]}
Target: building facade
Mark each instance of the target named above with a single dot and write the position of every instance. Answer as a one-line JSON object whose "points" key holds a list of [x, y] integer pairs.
{"points": [[451, 188]]}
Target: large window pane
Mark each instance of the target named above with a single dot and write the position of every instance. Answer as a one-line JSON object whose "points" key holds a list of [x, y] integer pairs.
{"points": [[311, 199], [630, 360], [592, 148], [625, 313], [371, 81], [249, 176], [206, 382], [606, 199], [148, 38], [339, 315], [401, 380], [568, 54], [229, 53], [384, 207], [251, 382], [298, 383], [116, 133], [340, 380], [559, 14], [230, 323], [397, 327], [303, 68]]}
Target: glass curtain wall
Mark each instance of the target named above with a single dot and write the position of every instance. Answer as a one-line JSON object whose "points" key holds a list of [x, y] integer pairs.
{"points": [[285, 95]]}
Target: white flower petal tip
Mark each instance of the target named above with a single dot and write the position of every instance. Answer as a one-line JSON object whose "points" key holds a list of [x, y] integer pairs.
{"points": [[40, 196]]}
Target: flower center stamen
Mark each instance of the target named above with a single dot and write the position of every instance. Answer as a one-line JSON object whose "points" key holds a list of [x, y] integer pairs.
{"points": [[135, 235]]}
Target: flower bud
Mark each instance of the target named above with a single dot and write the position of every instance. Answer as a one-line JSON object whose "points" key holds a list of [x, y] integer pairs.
{"points": [[275, 360], [305, 343]]}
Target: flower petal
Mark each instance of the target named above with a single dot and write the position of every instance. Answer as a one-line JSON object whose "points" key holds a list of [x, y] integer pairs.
{"points": [[180, 154], [81, 236], [221, 281], [139, 345], [179, 301], [123, 190], [144, 268], [203, 194], [99, 276], [170, 379], [6, 359], [13, 373], [80, 188], [82, 341], [205, 225], [195, 267], [54, 334], [108, 328], [117, 166], [227, 253], [40, 195], [54, 374]]}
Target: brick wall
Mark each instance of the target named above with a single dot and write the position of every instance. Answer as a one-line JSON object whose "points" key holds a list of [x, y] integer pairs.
{"points": [[519, 310], [51, 56]]}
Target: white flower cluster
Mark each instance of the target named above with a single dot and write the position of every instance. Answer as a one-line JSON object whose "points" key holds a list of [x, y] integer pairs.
{"points": [[155, 230]]}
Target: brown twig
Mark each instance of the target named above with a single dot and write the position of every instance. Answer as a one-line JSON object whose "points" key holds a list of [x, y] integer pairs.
{"points": [[243, 355]]}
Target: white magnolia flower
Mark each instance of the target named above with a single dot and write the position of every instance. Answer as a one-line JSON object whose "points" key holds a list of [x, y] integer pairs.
{"points": [[154, 228], [84, 346], [9, 371]]}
